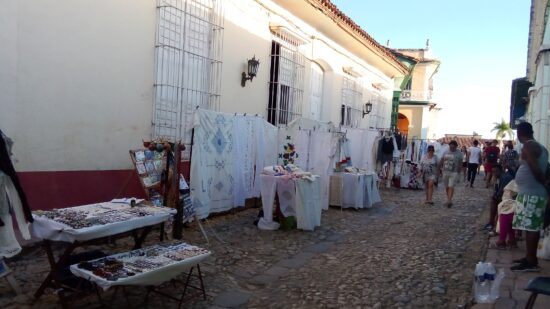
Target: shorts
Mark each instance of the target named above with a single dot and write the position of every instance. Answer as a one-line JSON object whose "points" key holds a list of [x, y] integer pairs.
{"points": [[464, 164], [488, 167], [427, 178], [450, 179], [529, 214]]}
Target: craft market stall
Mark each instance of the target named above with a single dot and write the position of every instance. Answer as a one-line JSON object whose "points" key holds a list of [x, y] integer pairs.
{"points": [[84, 225], [295, 194], [149, 267], [354, 188]]}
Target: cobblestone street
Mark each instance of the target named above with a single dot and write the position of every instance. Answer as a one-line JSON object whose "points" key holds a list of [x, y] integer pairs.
{"points": [[401, 253]]}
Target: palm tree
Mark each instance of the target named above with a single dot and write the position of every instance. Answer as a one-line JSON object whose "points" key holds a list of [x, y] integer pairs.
{"points": [[503, 128]]}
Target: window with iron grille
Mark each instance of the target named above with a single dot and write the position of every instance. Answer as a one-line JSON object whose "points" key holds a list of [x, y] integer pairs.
{"points": [[286, 81], [188, 58], [379, 111], [352, 96]]}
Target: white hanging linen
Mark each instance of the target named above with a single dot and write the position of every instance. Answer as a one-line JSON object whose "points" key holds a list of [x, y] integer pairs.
{"points": [[370, 148], [270, 144], [212, 182], [268, 185], [350, 188], [265, 136], [356, 145], [302, 149], [322, 159], [373, 195], [308, 206], [240, 171], [9, 246]]}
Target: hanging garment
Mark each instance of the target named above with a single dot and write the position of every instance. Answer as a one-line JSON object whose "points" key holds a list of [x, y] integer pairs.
{"points": [[302, 149], [350, 190], [368, 153], [356, 139], [308, 206], [396, 151], [322, 159], [7, 168], [270, 143], [386, 146], [373, 195], [9, 196], [243, 159], [212, 182]]}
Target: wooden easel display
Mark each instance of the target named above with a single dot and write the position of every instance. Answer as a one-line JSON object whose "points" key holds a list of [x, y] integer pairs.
{"points": [[151, 165], [158, 169]]}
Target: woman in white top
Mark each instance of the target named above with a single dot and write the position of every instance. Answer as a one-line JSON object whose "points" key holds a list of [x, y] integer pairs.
{"points": [[428, 169]]}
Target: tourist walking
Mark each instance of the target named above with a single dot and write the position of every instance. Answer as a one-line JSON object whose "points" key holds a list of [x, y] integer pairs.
{"points": [[491, 158], [428, 168], [532, 196], [474, 160], [450, 168], [510, 158]]}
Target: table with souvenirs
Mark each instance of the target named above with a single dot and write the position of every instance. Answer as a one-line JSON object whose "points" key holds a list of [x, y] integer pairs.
{"points": [[149, 267], [295, 193], [88, 224], [353, 188]]}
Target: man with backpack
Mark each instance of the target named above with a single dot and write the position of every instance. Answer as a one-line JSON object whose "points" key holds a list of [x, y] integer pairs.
{"points": [[491, 155]]}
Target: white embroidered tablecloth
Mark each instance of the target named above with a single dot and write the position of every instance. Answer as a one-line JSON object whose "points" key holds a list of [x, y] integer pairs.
{"points": [[297, 197], [354, 190], [95, 216], [163, 267]]}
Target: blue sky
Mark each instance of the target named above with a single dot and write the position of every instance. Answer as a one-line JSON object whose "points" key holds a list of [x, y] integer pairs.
{"points": [[482, 46]]}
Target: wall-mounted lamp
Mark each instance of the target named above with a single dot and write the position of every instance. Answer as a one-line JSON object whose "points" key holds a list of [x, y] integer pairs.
{"points": [[367, 109], [253, 65]]}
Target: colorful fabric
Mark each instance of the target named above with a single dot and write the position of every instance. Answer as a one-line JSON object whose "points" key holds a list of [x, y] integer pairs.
{"points": [[529, 214]]}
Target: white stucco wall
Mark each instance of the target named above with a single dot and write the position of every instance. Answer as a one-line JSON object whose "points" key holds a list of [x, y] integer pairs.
{"points": [[76, 81], [247, 33], [76, 77]]}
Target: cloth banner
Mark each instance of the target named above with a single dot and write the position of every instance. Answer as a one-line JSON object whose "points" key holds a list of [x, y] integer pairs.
{"points": [[212, 181]]}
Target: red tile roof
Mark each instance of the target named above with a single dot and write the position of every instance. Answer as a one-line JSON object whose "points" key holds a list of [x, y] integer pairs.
{"points": [[333, 12], [465, 141]]}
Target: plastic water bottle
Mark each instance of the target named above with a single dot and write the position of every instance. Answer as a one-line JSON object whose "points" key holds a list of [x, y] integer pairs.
{"points": [[482, 288], [495, 287], [490, 275]]}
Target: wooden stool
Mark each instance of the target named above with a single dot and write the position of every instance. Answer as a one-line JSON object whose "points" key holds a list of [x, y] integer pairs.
{"points": [[538, 285]]}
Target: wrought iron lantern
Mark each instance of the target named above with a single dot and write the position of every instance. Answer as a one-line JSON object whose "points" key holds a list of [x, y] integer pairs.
{"points": [[367, 109], [253, 65]]}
